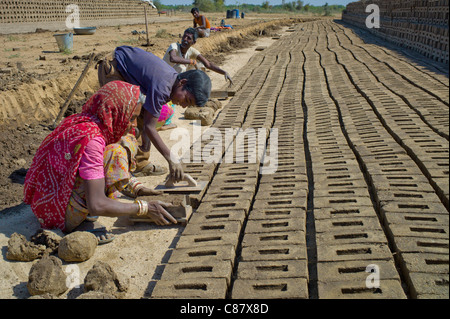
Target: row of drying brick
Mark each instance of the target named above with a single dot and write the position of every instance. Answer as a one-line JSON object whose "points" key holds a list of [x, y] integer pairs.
{"points": [[425, 43], [423, 144], [411, 71], [209, 242], [273, 262], [403, 62], [428, 97], [413, 216], [349, 238]]}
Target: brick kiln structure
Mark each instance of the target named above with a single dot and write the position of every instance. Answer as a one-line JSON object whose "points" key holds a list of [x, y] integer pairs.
{"points": [[51, 14], [420, 25]]}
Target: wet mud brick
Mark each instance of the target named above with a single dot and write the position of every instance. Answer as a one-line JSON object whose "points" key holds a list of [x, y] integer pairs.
{"points": [[408, 197], [413, 208], [282, 201], [281, 186], [347, 224], [221, 189], [274, 269], [251, 169], [343, 191], [203, 253], [343, 212], [220, 181], [201, 240], [213, 228], [389, 289], [199, 171], [198, 269], [203, 216], [268, 213], [280, 194], [429, 286], [276, 252], [275, 225], [351, 236], [421, 231], [426, 263], [342, 202], [225, 203], [181, 211], [356, 270], [229, 196], [281, 178], [182, 214], [421, 245], [274, 238], [283, 288], [417, 219], [197, 288], [359, 251]]}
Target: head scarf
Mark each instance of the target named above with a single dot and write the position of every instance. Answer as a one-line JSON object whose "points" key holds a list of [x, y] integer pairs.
{"points": [[51, 177]]}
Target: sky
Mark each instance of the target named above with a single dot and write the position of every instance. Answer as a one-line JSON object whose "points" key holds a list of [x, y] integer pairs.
{"points": [[271, 2]]}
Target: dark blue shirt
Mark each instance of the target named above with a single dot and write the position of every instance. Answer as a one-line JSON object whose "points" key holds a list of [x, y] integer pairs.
{"points": [[155, 77]]}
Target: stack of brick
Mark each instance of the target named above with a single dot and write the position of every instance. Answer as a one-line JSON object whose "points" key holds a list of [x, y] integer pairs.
{"points": [[414, 24], [45, 13]]}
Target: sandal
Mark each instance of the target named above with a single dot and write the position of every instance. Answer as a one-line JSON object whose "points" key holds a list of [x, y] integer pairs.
{"points": [[103, 237], [150, 170], [90, 218]]}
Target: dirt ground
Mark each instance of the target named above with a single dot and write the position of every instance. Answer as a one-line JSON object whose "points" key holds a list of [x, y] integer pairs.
{"points": [[31, 63]]}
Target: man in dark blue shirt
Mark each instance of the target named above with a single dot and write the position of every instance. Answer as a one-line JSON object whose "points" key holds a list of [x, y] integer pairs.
{"points": [[161, 84]]}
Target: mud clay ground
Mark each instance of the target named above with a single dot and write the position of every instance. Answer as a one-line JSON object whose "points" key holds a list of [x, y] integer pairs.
{"points": [[31, 61]]}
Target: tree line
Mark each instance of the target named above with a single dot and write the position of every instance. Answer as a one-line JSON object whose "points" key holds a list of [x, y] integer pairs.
{"points": [[298, 6]]}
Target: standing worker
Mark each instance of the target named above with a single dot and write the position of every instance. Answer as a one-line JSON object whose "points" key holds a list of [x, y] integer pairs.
{"points": [[201, 23]]}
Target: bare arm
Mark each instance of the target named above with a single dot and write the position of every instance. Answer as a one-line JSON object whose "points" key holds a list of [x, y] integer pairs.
{"points": [[150, 130], [175, 58], [203, 22], [211, 66], [100, 205]]}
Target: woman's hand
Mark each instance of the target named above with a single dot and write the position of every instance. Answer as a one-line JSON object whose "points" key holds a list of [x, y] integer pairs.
{"points": [[158, 214]]}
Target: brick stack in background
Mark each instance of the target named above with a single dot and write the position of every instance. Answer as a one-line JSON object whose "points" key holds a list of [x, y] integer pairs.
{"points": [[420, 25], [24, 15]]}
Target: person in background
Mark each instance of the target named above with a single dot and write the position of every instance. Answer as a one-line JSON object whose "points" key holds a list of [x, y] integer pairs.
{"points": [[183, 56], [201, 24]]}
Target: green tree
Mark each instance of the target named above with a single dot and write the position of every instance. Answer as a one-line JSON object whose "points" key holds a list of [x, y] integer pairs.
{"points": [[219, 4], [265, 5], [299, 5], [204, 5]]}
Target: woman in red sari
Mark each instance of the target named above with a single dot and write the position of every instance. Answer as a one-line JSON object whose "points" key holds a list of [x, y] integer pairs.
{"points": [[68, 178]]}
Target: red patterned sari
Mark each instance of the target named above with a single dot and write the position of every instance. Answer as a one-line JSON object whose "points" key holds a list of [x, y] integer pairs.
{"points": [[51, 177]]}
